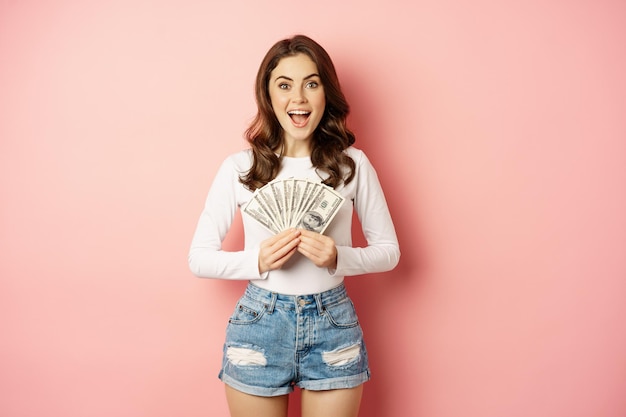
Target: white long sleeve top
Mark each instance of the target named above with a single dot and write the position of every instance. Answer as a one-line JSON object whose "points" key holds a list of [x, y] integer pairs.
{"points": [[299, 275]]}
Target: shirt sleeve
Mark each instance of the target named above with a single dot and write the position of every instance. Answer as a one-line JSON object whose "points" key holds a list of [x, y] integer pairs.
{"points": [[382, 252], [206, 257]]}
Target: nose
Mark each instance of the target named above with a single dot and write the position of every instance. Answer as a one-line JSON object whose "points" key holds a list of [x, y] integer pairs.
{"points": [[299, 95]]}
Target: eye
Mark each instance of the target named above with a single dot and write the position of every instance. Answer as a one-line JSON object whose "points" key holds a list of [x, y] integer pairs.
{"points": [[283, 86], [312, 84]]}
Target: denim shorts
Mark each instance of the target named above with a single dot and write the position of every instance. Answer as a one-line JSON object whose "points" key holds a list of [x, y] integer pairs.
{"points": [[275, 342]]}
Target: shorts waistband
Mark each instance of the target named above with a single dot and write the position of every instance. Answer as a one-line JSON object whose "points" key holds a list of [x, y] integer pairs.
{"points": [[291, 302]]}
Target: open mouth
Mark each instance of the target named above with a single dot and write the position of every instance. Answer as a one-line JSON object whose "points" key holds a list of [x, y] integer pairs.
{"points": [[299, 117]]}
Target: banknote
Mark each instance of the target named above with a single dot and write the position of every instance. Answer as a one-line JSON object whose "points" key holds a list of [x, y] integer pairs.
{"points": [[321, 211], [267, 199], [256, 210], [294, 203]]}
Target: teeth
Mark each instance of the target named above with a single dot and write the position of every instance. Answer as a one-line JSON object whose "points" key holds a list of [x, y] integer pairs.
{"points": [[298, 112]]}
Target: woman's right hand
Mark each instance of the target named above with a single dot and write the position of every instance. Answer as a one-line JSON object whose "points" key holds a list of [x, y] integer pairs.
{"points": [[277, 250]]}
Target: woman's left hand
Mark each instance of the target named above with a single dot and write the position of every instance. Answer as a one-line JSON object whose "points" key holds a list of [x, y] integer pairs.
{"points": [[320, 249]]}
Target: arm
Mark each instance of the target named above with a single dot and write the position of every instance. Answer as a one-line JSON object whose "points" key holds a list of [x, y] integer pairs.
{"points": [[206, 257], [382, 252]]}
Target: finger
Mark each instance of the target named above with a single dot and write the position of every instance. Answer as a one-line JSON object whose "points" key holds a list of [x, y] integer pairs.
{"points": [[283, 237], [319, 260], [308, 253], [310, 245], [277, 250], [284, 246], [320, 256], [274, 243], [313, 235], [315, 253], [320, 243], [282, 260]]}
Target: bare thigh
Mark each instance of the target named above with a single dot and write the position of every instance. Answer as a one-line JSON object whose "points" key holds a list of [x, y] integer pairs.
{"points": [[336, 403], [246, 405]]}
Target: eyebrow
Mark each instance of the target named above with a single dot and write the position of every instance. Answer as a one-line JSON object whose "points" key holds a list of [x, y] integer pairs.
{"points": [[289, 79]]}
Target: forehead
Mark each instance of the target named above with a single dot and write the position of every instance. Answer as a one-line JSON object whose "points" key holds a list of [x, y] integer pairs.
{"points": [[296, 66]]}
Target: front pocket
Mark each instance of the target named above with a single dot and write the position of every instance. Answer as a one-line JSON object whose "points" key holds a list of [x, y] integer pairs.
{"points": [[247, 312], [342, 315]]}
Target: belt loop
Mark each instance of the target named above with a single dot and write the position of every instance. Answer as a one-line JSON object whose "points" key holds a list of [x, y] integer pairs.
{"points": [[318, 301], [270, 308]]}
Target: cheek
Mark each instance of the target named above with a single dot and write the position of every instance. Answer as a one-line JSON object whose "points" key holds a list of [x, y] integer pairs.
{"points": [[321, 108], [275, 101], [321, 103]]}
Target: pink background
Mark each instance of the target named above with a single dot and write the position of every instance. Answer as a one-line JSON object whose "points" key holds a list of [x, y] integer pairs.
{"points": [[499, 133]]}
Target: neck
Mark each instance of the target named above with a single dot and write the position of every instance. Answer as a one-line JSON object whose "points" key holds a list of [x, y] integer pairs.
{"points": [[296, 149]]}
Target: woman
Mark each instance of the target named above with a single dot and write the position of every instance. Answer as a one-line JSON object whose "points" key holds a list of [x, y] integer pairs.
{"points": [[295, 325]]}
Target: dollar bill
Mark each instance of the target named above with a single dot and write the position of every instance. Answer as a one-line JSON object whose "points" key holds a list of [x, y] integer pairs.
{"points": [[288, 195], [254, 209], [278, 191], [321, 210], [294, 202], [307, 189], [267, 199]]}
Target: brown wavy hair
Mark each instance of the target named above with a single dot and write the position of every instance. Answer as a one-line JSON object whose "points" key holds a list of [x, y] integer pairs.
{"points": [[331, 137]]}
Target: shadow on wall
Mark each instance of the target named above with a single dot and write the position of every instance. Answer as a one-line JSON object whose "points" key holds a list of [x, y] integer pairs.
{"points": [[373, 293]]}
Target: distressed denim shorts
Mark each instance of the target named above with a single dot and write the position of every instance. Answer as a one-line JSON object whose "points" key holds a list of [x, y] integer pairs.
{"points": [[275, 342]]}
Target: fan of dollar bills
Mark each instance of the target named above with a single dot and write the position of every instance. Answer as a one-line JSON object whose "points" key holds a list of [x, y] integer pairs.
{"points": [[292, 202]]}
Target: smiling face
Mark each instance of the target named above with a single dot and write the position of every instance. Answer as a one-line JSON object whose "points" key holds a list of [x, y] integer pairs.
{"points": [[298, 100]]}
